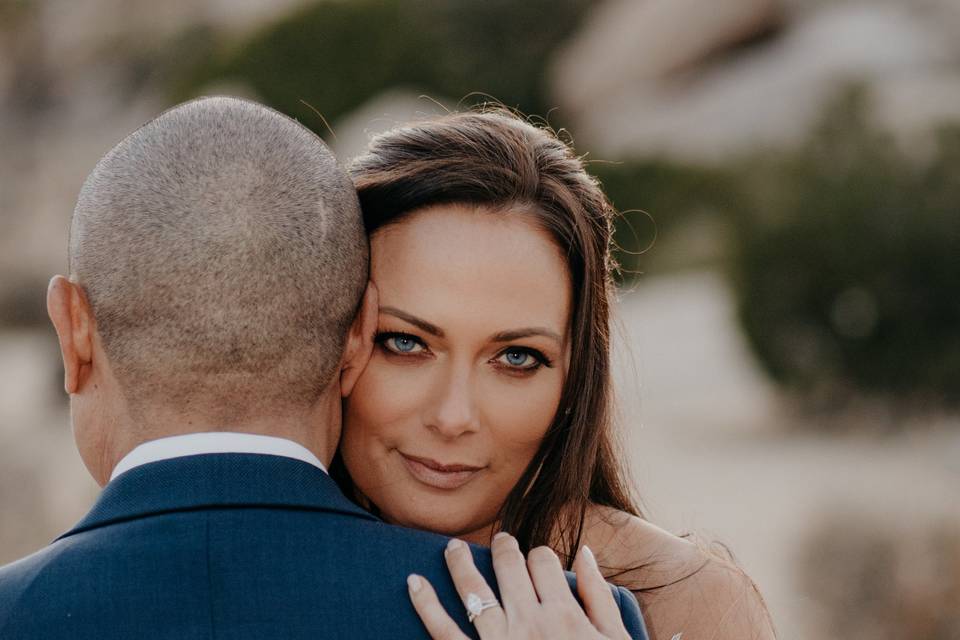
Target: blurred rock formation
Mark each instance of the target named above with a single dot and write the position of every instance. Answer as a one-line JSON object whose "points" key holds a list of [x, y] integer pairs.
{"points": [[698, 79]]}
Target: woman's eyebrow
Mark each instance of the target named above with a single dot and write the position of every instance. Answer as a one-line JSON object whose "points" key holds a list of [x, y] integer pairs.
{"points": [[414, 320], [516, 334]]}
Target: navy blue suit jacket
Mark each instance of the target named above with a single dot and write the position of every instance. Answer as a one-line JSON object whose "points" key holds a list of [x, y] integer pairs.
{"points": [[231, 546]]}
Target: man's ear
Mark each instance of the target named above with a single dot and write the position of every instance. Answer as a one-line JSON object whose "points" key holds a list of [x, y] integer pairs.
{"points": [[359, 340], [72, 318]]}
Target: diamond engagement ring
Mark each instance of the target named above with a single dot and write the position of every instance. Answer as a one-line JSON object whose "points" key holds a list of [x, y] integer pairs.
{"points": [[476, 606]]}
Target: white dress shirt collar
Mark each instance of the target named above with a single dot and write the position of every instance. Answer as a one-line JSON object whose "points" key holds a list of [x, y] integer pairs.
{"points": [[192, 444]]}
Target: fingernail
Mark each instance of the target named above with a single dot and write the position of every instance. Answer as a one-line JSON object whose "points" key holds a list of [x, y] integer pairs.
{"points": [[414, 582], [501, 534], [588, 554], [455, 544]]}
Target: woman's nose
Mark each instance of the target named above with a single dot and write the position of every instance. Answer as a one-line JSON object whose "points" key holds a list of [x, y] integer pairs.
{"points": [[453, 411]]}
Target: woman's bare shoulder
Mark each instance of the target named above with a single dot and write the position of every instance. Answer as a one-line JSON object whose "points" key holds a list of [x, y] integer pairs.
{"points": [[624, 543], [682, 587]]}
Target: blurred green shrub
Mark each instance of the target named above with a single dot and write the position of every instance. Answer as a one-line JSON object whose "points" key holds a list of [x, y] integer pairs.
{"points": [[336, 55], [846, 259], [659, 200], [870, 581]]}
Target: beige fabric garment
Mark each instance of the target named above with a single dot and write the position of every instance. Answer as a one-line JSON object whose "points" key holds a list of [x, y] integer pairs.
{"points": [[685, 591]]}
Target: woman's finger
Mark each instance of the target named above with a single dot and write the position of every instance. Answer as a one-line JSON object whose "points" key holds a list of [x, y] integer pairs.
{"points": [[474, 591], [548, 577], [439, 624], [516, 589], [596, 596]]}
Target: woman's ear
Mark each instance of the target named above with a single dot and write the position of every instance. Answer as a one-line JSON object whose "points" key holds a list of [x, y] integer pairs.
{"points": [[359, 341], [72, 318]]}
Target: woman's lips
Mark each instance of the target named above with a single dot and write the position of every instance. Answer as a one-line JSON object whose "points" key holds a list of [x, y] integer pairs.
{"points": [[441, 476]]}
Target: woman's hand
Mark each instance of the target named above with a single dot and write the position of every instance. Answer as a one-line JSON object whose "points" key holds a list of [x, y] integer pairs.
{"points": [[537, 602]]}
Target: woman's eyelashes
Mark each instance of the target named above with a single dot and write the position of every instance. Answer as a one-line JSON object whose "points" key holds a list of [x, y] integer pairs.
{"points": [[401, 344], [521, 360], [515, 360]]}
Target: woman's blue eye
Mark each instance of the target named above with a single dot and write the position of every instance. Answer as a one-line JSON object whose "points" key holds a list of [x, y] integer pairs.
{"points": [[520, 359], [400, 343], [517, 358], [403, 344]]}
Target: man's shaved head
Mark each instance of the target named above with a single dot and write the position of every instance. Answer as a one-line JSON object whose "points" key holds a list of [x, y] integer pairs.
{"points": [[223, 254]]}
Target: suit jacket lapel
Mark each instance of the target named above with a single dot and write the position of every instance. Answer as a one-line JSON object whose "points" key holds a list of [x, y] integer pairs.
{"points": [[216, 481]]}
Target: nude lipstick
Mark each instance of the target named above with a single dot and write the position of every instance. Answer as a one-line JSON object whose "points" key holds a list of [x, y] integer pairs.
{"points": [[438, 475]]}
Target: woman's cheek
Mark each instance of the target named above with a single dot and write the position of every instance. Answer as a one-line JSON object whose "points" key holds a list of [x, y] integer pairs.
{"points": [[386, 392], [520, 414]]}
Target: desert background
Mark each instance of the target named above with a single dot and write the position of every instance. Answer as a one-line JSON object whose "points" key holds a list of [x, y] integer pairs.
{"points": [[788, 172]]}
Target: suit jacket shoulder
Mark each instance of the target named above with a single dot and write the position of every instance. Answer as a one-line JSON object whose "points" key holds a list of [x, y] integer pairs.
{"points": [[238, 546]]}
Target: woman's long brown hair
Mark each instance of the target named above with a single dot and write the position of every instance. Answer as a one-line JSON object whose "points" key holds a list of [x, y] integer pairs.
{"points": [[495, 159]]}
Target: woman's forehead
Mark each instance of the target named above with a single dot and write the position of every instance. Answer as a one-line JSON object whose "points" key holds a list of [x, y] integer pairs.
{"points": [[453, 261]]}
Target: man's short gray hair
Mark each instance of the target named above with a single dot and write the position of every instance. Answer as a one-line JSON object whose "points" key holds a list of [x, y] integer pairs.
{"points": [[223, 253]]}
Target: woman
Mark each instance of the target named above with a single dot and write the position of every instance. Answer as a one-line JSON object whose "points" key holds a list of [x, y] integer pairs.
{"points": [[486, 404]]}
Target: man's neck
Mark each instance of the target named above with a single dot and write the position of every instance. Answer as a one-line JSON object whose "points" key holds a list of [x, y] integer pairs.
{"points": [[317, 430], [213, 443]]}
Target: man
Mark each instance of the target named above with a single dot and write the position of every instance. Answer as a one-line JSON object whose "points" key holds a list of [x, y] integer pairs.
{"points": [[214, 316]]}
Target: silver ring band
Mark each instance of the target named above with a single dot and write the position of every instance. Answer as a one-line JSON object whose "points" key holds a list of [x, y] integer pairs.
{"points": [[476, 606]]}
